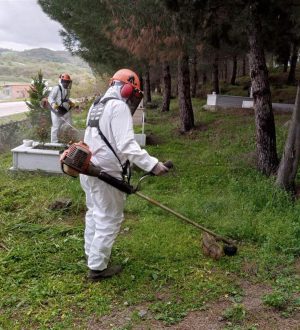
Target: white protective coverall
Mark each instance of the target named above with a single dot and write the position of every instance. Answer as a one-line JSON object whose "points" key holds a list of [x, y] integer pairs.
{"points": [[57, 97], [105, 203]]}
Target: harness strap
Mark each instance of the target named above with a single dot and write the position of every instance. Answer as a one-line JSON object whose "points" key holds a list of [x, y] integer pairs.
{"points": [[62, 100], [124, 167], [94, 122]]}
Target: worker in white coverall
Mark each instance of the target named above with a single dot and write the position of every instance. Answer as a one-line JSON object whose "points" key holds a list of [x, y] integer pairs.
{"points": [[60, 104], [104, 202]]}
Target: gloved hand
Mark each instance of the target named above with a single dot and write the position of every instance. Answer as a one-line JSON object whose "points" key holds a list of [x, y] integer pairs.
{"points": [[71, 104], [160, 169], [54, 106]]}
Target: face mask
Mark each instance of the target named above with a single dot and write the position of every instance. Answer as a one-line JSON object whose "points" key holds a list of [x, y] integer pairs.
{"points": [[65, 83], [134, 100]]}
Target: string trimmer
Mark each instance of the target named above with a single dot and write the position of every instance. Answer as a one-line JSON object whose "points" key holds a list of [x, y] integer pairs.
{"points": [[77, 160]]}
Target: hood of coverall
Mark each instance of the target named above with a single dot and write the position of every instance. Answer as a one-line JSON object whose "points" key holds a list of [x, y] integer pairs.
{"points": [[115, 91]]}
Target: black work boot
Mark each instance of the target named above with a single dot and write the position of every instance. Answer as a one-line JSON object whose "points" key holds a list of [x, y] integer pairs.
{"points": [[97, 275]]}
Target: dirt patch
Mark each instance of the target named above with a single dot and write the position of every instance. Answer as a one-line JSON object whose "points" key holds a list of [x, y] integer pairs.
{"points": [[250, 268], [257, 315], [297, 266], [201, 127], [120, 319]]}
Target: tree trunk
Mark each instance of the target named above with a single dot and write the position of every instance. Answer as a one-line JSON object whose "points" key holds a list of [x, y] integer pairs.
{"points": [[267, 159], [285, 65], [290, 159], [225, 71], [195, 77], [141, 81], [167, 88], [234, 70], [204, 78], [294, 59], [285, 55], [244, 66], [184, 95], [147, 86], [216, 75]]}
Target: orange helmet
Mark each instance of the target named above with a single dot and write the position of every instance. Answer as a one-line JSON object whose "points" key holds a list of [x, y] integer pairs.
{"points": [[127, 76], [65, 76]]}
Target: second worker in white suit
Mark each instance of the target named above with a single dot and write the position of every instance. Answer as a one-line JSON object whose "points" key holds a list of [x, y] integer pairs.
{"points": [[59, 100], [110, 136]]}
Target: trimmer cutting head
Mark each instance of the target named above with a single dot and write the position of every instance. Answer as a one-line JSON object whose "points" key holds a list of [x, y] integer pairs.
{"points": [[230, 250], [212, 248]]}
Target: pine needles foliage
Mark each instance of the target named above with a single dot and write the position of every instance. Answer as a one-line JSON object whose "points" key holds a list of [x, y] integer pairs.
{"points": [[39, 116]]}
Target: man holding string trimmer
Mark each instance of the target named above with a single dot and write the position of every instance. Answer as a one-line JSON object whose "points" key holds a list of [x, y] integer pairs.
{"points": [[110, 137], [60, 105]]}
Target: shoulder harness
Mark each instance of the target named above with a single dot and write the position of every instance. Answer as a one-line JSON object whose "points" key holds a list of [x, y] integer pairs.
{"points": [[94, 118]]}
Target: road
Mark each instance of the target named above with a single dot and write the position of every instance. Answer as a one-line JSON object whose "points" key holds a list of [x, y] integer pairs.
{"points": [[11, 108]]}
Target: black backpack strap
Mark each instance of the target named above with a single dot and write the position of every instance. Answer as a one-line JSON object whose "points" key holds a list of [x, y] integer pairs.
{"points": [[61, 96], [125, 166]]}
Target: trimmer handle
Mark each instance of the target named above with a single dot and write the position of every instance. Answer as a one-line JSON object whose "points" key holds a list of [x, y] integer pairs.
{"points": [[169, 164]]}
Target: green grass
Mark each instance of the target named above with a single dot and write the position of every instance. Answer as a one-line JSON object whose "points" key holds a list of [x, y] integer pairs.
{"points": [[42, 268]]}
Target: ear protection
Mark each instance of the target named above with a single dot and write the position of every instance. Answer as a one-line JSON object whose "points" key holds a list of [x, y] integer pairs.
{"points": [[126, 90]]}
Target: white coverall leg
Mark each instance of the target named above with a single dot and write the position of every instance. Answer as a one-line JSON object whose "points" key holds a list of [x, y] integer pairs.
{"points": [[89, 222], [56, 123], [103, 223]]}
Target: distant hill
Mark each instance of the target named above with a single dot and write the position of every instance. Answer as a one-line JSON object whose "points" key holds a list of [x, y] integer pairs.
{"points": [[21, 66], [44, 54]]}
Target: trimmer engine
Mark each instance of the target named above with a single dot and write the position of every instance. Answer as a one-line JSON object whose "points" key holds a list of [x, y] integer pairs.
{"points": [[76, 159]]}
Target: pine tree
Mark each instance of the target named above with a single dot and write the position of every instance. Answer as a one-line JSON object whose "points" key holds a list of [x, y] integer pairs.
{"points": [[40, 118]]}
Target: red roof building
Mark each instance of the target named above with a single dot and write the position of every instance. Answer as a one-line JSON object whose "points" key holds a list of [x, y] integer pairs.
{"points": [[14, 91]]}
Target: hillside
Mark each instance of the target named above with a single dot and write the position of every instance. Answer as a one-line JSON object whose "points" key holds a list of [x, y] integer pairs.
{"points": [[21, 66]]}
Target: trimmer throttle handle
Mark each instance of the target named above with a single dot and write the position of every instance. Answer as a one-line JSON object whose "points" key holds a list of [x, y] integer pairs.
{"points": [[169, 164]]}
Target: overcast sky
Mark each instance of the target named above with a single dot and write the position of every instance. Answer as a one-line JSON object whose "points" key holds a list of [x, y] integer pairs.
{"points": [[23, 25]]}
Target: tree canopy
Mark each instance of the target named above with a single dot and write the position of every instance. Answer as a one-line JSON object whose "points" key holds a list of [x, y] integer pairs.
{"points": [[184, 34]]}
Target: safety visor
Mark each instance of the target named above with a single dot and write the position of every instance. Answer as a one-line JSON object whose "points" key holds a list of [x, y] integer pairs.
{"points": [[65, 82], [134, 100]]}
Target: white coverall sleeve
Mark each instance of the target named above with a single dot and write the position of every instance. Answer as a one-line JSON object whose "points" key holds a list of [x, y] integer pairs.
{"points": [[52, 98], [122, 129]]}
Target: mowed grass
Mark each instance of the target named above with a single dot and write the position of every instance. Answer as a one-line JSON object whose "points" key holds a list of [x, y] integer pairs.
{"points": [[43, 280]]}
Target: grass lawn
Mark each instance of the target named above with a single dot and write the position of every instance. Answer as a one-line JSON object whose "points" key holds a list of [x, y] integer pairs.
{"points": [[43, 281]]}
